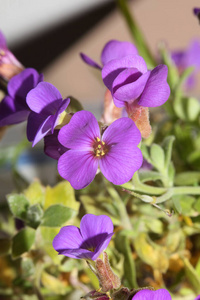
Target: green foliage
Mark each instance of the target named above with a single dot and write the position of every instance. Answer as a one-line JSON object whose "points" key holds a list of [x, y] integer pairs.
{"points": [[23, 241], [56, 215]]}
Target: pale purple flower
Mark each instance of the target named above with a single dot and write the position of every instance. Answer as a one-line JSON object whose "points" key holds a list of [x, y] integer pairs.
{"points": [[87, 242], [197, 298], [13, 108], [161, 294], [188, 58], [131, 83], [46, 105], [52, 146], [116, 152], [112, 50], [9, 65]]}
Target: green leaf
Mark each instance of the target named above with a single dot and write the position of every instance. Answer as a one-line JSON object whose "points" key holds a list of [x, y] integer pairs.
{"points": [[177, 204], [23, 241], [34, 215], [18, 205], [197, 205], [27, 267], [48, 234], [149, 175], [57, 215], [62, 193], [145, 153], [184, 204], [35, 193], [157, 157], [122, 245], [167, 146], [192, 275], [193, 108], [187, 178]]}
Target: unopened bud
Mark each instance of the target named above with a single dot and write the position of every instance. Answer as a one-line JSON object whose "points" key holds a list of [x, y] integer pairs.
{"points": [[114, 278], [147, 199], [103, 276]]}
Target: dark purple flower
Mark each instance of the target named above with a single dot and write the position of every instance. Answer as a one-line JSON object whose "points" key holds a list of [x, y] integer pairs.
{"points": [[116, 152], [161, 294], [112, 50], [13, 108], [52, 146], [47, 107], [196, 11], [9, 65], [188, 58], [130, 82], [87, 242]]}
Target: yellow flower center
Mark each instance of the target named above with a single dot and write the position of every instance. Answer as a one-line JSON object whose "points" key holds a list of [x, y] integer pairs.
{"points": [[100, 148]]}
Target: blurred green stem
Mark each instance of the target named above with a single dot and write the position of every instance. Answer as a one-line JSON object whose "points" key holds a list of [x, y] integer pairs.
{"points": [[140, 42]]}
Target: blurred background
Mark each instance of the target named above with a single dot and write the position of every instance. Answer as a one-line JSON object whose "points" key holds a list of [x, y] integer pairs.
{"points": [[49, 35]]}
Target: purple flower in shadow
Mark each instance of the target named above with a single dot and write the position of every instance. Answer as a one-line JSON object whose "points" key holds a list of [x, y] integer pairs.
{"points": [[112, 50], [47, 106], [161, 294], [52, 146], [87, 242], [9, 65], [131, 83], [116, 152], [13, 108], [188, 58]]}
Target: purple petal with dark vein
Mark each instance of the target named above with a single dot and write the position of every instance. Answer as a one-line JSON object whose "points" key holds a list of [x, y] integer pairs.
{"points": [[157, 90], [22, 83], [129, 85], [123, 158], [78, 167], [81, 131], [112, 69], [44, 128], [3, 44], [45, 98], [61, 109], [117, 49], [95, 229], [101, 246], [11, 112], [52, 146], [90, 61], [161, 294], [69, 237], [77, 253]]}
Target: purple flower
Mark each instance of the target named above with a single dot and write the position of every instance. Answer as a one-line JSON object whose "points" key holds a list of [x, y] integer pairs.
{"points": [[116, 152], [9, 65], [52, 146], [47, 107], [131, 83], [112, 50], [13, 108], [161, 294], [87, 242], [197, 298], [196, 11], [188, 58]]}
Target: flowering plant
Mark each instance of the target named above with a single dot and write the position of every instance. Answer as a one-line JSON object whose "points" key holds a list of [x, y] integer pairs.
{"points": [[122, 221]]}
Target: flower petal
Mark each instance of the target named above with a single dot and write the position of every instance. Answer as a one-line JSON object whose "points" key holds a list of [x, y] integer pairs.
{"points": [[22, 83], [61, 109], [81, 131], [129, 84], [95, 230], [157, 90], [10, 113], [77, 253], [116, 49], [161, 294], [123, 158], [69, 237], [78, 167], [44, 98], [102, 245], [90, 61], [113, 68], [52, 147]]}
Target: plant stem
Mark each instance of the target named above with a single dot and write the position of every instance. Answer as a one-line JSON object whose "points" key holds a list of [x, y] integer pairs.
{"points": [[140, 42]]}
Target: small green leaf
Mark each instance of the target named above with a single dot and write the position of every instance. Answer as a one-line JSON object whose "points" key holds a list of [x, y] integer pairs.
{"points": [[145, 153], [167, 146], [122, 245], [57, 215], [18, 205], [193, 108], [23, 241], [176, 202], [149, 175], [157, 157], [35, 193], [34, 215], [187, 178], [192, 275], [197, 205]]}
